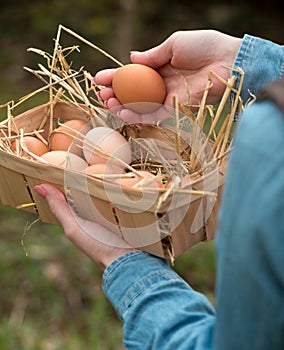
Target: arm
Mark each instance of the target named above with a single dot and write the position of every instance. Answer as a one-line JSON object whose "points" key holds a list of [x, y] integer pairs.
{"points": [[250, 239], [157, 307]]}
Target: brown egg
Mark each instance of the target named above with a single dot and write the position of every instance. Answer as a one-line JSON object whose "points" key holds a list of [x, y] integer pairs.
{"points": [[63, 136], [141, 177], [32, 143], [102, 143], [65, 159], [139, 88]]}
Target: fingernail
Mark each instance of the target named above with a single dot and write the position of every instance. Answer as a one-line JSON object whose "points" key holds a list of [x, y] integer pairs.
{"points": [[134, 51], [40, 190]]}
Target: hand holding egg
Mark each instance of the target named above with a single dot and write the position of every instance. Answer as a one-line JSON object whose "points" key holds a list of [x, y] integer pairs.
{"points": [[139, 88], [137, 92]]}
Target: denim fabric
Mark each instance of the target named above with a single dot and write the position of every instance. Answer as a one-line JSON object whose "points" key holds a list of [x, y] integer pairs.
{"points": [[159, 311], [262, 61], [250, 241]]}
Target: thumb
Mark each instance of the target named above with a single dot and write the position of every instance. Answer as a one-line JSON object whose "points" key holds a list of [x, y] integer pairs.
{"points": [[155, 57]]}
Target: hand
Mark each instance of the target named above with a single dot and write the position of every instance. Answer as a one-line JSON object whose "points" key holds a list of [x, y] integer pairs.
{"points": [[76, 229], [184, 60]]}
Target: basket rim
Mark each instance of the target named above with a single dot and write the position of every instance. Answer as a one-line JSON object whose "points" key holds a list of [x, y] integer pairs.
{"points": [[95, 186]]}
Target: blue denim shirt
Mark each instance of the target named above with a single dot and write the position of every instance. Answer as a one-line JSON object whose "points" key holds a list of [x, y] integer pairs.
{"points": [[158, 309], [262, 62]]}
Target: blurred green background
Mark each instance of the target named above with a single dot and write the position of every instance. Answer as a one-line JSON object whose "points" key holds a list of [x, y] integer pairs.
{"points": [[50, 293]]}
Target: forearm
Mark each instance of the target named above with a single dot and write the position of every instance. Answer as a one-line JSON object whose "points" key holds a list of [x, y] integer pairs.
{"points": [[158, 309], [262, 62], [250, 237]]}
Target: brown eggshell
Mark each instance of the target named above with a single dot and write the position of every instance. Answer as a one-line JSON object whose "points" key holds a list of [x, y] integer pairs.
{"points": [[33, 144], [67, 134], [59, 158], [110, 142], [139, 88]]}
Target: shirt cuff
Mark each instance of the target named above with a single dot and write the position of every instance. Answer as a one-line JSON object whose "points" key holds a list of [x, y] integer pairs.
{"points": [[126, 278], [262, 62]]}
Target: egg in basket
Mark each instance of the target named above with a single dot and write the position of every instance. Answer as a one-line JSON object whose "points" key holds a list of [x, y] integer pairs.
{"points": [[155, 184]]}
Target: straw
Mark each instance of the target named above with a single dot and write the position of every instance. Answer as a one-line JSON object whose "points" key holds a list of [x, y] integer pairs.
{"points": [[64, 83]]}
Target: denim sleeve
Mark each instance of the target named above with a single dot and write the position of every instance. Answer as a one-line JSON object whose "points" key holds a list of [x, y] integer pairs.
{"points": [[262, 62], [250, 238], [157, 307]]}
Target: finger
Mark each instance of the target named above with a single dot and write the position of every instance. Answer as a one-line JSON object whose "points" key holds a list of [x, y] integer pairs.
{"points": [[72, 223], [57, 203], [97, 242], [154, 57], [129, 117], [114, 105], [104, 77], [106, 93], [161, 114]]}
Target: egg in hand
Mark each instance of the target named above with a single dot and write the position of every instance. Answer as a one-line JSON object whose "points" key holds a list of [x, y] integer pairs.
{"points": [[139, 88]]}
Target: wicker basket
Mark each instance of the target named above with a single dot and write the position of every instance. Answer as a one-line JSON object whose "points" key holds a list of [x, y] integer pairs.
{"points": [[164, 228]]}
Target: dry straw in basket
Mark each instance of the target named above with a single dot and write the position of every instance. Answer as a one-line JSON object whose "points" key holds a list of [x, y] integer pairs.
{"points": [[73, 91]]}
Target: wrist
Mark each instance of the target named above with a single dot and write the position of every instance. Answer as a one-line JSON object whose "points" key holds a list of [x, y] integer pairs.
{"points": [[114, 254], [234, 49]]}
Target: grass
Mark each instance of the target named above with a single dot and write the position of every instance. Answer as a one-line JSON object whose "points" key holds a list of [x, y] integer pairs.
{"points": [[51, 297]]}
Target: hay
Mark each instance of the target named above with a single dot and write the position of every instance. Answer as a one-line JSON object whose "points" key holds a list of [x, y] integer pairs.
{"points": [[64, 83], [73, 87]]}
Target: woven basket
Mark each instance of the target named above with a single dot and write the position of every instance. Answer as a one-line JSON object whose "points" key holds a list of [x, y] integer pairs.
{"points": [[165, 229]]}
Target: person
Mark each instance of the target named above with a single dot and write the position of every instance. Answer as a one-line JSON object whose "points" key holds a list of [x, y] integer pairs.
{"points": [[158, 309]]}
